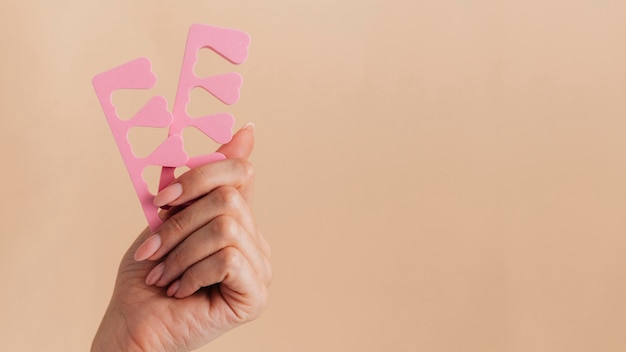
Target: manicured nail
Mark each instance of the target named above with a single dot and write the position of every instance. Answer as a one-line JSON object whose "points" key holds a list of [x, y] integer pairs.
{"points": [[168, 194], [249, 126], [148, 248], [155, 274], [173, 289]]}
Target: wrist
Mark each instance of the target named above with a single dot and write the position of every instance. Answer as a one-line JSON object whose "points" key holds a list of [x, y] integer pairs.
{"points": [[113, 335]]}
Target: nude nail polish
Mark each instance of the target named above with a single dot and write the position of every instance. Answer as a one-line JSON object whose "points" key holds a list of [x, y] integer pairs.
{"points": [[168, 194], [173, 289], [148, 248], [249, 126], [155, 274]]}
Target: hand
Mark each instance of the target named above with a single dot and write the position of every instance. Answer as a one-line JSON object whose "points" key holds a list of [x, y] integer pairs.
{"points": [[204, 272]]}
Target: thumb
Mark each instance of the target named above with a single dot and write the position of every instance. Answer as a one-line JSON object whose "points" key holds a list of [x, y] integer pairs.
{"points": [[240, 146]]}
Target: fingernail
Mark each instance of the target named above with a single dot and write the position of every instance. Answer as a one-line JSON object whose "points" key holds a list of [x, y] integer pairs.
{"points": [[168, 194], [165, 212], [249, 126], [155, 274], [173, 289], [148, 248]]}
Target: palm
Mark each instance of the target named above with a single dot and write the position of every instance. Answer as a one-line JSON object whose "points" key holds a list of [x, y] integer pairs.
{"points": [[168, 320]]}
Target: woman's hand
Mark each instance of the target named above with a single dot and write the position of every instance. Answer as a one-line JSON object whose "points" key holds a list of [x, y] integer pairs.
{"points": [[205, 271]]}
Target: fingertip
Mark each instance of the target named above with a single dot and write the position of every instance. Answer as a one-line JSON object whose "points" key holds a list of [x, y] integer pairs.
{"points": [[168, 194], [250, 126], [148, 248], [173, 289], [242, 143]]}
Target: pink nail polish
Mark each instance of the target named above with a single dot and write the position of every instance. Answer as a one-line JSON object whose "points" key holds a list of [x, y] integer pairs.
{"points": [[173, 289], [155, 274], [148, 248], [168, 194]]}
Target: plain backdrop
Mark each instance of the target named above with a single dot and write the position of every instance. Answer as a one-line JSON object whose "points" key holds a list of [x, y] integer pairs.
{"points": [[437, 175]]}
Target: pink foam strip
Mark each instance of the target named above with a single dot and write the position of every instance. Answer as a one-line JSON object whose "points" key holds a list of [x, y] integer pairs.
{"points": [[229, 43], [154, 114], [224, 87], [137, 74], [233, 46], [204, 159], [217, 126]]}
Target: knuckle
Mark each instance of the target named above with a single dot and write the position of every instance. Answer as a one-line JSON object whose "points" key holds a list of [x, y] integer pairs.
{"points": [[232, 259], [198, 175], [227, 227], [246, 169], [178, 223], [175, 259], [229, 197]]}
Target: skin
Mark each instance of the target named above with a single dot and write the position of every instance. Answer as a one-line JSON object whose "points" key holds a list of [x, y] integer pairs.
{"points": [[206, 272]]}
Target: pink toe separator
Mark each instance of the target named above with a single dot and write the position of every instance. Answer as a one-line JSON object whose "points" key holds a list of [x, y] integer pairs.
{"points": [[137, 74]]}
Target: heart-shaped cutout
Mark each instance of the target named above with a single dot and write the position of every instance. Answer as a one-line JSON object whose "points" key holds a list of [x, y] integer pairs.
{"points": [[170, 153]]}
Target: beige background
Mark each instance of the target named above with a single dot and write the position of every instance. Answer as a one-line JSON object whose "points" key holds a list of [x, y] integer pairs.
{"points": [[439, 175]]}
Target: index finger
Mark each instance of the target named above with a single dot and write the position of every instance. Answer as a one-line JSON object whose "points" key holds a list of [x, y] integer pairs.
{"points": [[183, 190], [240, 146], [237, 173]]}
